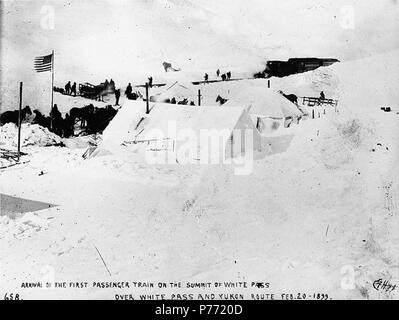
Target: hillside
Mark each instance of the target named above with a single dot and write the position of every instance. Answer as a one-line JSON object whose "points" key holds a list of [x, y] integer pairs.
{"points": [[129, 42]]}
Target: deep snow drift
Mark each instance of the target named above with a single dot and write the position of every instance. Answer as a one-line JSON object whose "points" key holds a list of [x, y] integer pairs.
{"points": [[31, 135]]}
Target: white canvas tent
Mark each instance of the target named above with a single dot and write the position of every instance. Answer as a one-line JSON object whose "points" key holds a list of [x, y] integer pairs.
{"points": [[126, 120], [172, 128], [205, 132], [177, 90], [122, 126]]}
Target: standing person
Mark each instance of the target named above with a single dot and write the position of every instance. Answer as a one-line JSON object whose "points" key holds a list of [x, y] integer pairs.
{"points": [[206, 77], [150, 82], [57, 120], [228, 74], [56, 114], [128, 91], [68, 87], [107, 87], [73, 89], [112, 84], [321, 98], [68, 127], [218, 73], [117, 95]]}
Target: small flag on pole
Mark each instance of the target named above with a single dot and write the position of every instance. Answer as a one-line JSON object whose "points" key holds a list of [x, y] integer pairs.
{"points": [[43, 63]]}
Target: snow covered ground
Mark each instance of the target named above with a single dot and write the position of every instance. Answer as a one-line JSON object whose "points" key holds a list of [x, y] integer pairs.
{"points": [[321, 217]]}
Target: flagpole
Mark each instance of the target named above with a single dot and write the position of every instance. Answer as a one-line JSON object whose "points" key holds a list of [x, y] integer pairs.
{"points": [[52, 91], [19, 120]]}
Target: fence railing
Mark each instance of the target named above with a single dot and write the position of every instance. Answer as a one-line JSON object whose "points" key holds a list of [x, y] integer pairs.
{"points": [[313, 101]]}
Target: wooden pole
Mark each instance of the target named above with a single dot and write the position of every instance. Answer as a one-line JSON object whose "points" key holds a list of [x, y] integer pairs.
{"points": [[19, 119], [52, 91], [199, 97], [147, 99]]}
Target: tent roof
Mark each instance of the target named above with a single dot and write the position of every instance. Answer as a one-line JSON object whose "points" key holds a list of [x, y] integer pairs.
{"points": [[265, 102], [176, 89], [126, 120]]}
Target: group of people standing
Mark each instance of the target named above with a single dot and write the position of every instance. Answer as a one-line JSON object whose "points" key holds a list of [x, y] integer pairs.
{"points": [[70, 89], [109, 85], [224, 76]]}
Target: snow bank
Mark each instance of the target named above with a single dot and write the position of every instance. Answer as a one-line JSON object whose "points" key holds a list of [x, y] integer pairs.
{"points": [[332, 141], [25, 226], [82, 141], [31, 135]]}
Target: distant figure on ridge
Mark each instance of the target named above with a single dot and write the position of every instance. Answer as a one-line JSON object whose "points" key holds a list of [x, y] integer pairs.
{"points": [[68, 87], [73, 89], [117, 95], [56, 114], [57, 120], [206, 77], [150, 82], [68, 126], [218, 73], [128, 91], [322, 96], [112, 84]]}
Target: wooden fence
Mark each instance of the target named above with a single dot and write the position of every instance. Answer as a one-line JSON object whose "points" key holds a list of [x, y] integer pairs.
{"points": [[313, 101]]}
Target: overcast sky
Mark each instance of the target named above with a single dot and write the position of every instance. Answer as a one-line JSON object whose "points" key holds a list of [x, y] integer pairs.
{"points": [[126, 40]]}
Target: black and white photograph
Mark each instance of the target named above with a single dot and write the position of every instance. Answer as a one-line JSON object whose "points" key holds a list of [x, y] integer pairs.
{"points": [[199, 150]]}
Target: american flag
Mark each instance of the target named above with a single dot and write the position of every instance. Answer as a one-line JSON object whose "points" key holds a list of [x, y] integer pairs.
{"points": [[43, 63]]}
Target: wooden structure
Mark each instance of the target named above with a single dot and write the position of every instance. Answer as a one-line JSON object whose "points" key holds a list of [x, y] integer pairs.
{"points": [[313, 101], [87, 90], [90, 91]]}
